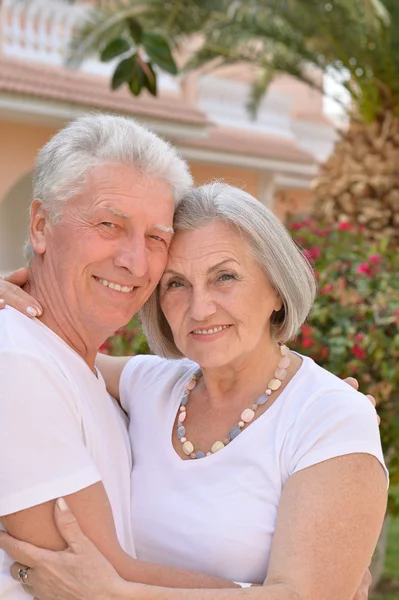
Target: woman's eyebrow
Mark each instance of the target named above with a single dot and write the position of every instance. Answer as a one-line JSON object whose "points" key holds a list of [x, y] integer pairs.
{"points": [[223, 262]]}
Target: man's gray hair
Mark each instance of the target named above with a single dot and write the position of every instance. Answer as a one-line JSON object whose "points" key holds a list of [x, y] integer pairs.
{"points": [[283, 263], [98, 139]]}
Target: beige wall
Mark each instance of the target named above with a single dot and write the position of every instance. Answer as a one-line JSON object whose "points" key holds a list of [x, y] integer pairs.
{"points": [[242, 178], [19, 144]]}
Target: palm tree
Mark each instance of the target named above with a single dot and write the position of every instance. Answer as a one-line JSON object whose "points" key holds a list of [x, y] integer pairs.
{"points": [[355, 40]]}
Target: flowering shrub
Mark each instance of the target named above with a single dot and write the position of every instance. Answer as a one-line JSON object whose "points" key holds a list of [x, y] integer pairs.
{"points": [[353, 328], [127, 341]]}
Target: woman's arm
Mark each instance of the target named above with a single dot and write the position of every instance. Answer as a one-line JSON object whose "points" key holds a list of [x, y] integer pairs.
{"points": [[323, 541]]}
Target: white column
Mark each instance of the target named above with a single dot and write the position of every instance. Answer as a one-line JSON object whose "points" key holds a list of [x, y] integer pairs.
{"points": [[267, 188]]}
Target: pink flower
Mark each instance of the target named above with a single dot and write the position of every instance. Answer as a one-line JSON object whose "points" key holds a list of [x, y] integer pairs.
{"points": [[375, 258], [359, 337], [313, 253], [296, 226], [327, 289], [364, 269], [359, 352], [345, 226], [307, 343]]}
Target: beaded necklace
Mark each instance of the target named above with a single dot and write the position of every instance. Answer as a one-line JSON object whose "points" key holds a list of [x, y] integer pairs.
{"points": [[247, 414]]}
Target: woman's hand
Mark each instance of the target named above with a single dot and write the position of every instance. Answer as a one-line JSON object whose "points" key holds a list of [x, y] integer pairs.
{"points": [[79, 573], [12, 294]]}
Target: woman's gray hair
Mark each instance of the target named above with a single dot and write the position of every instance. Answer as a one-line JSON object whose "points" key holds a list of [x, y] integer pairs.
{"points": [[283, 263], [98, 139]]}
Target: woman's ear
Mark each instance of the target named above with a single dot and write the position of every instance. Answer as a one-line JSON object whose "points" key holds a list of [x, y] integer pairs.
{"points": [[38, 222]]}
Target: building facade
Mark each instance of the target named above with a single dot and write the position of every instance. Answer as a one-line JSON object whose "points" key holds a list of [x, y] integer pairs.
{"points": [[274, 158]]}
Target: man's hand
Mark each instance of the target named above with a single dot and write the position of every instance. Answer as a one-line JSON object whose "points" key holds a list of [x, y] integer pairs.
{"points": [[78, 573], [363, 591], [12, 294], [355, 384]]}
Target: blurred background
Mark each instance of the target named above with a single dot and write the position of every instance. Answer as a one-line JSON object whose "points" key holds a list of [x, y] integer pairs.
{"points": [[296, 101]]}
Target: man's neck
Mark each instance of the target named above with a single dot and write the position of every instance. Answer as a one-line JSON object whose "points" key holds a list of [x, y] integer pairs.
{"points": [[57, 317]]}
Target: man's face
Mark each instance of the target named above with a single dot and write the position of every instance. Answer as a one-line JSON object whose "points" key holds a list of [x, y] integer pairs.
{"points": [[109, 250]]}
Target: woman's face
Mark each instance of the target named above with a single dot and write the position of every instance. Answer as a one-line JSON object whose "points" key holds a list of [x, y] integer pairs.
{"points": [[215, 297]]}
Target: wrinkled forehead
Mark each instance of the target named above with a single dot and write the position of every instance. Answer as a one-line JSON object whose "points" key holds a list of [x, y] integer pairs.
{"points": [[199, 249]]}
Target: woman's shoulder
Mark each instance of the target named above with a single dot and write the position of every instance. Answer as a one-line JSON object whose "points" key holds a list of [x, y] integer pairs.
{"points": [[145, 371]]}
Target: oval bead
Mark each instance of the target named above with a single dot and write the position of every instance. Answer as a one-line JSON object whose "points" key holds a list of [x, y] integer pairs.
{"points": [[280, 374], [284, 362], [183, 439], [182, 416], [191, 385], [200, 454], [184, 400], [216, 447], [262, 400], [233, 433], [188, 448], [241, 424], [181, 432], [247, 415], [274, 384], [284, 350], [254, 407]]}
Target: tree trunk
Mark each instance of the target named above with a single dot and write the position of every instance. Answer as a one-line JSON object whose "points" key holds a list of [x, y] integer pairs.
{"points": [[359, 183], [378, 562]]}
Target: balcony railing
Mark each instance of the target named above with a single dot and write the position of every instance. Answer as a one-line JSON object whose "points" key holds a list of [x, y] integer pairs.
{"points": [[38, 29]]}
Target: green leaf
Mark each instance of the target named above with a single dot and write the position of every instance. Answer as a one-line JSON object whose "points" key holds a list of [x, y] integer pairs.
{"points": [[136, 31], [150, 78], [158, 51], [123, 72], [137, 77], [115, 48]]}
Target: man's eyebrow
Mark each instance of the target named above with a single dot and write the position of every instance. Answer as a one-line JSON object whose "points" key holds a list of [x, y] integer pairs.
{"points": [[165, 229], [116, 212]]}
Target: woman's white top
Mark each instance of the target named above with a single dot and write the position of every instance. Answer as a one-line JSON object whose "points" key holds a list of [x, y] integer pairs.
{"points": [[217, 514]]}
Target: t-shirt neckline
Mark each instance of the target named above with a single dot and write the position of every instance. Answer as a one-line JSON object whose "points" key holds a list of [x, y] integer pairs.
{"points": [[306, 362]]}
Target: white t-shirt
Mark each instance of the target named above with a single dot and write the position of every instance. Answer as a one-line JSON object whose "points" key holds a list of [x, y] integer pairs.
{"points": [[60, 430], [217, 514]]}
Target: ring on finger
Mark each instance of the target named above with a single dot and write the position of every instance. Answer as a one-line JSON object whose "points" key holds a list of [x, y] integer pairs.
{"points": [[22, 574]]}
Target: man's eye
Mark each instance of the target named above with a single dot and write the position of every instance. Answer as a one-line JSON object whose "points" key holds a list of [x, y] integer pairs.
{"points": [[108, 224], [158, 238]]}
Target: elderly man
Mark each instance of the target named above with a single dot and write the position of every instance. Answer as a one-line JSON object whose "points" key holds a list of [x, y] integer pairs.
{"points": [[101, 223]]}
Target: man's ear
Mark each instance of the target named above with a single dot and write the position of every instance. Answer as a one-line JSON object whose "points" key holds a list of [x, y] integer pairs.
{"points": [[38, 225]]}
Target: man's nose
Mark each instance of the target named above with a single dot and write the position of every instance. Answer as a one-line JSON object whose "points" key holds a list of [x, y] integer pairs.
{"points": [[132, 256], [202, 306]]}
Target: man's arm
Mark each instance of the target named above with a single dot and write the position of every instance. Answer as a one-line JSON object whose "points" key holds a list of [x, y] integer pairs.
{"points": [[111, 368], [94, 515]]}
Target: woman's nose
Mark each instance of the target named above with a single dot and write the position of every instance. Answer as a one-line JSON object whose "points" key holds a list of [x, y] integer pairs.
{"points": [[202, 306]]}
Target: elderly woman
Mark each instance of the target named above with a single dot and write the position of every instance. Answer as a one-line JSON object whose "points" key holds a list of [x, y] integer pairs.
{"points": [[251, 462]]}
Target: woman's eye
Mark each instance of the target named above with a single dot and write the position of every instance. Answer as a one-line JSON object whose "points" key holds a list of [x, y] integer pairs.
{"points": [[174, 284], [226, 276]]}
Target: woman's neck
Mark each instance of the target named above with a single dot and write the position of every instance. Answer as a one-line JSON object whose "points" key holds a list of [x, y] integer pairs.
{"points": [[246, 377]]}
